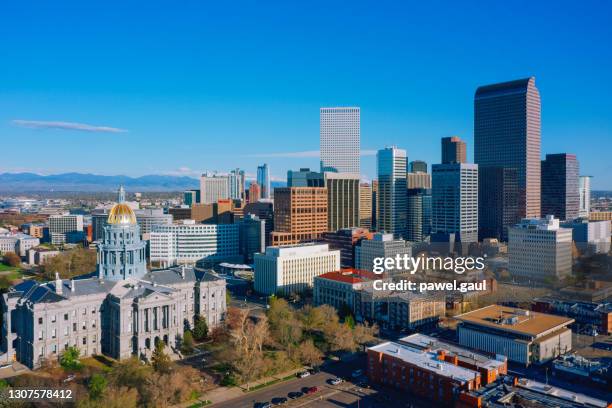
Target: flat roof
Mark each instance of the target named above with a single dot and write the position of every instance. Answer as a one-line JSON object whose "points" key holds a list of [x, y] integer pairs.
{"points": [[425, 359], [514, 320], [426, 342]]}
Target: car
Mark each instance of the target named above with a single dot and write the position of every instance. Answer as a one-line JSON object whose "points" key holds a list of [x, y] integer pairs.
{"points": [[357, 373], [303, 374], [295, 394], [314, 370], [71, 377], [311, 390], [335, 381], [279, 401], [262, 405]]}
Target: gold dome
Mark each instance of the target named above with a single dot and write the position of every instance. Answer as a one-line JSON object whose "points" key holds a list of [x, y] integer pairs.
{"points": [[121, 213]]}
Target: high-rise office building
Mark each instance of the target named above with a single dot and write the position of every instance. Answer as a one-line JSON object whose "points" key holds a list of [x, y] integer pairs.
{"points": [[304, 177], [254, 192], [560, 191], [391, 164], [418, 180], [236, 181], [419, 214], [340, 140], [213, 188], [300, 214], [374, 205], [67, 228], [252, 236], [263, 179], [191, 197], [507, 134], [453, 150], [498, 205], [380, 246], [346, 240], [584, 186], [264, 211], [365, 206], [455, 201], [342, 200], [417, 166]]}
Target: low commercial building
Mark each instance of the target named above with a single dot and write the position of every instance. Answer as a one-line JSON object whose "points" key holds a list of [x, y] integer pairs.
{"points": [[380, 246], [39, 256], [587, 315], [338, 288], [423, 372], [523, 336], [590, 237], [292, 269], [18, 243], [539, 250], [490, 366]]}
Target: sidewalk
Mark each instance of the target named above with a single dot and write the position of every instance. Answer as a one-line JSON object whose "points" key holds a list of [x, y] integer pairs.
{"points": [[223, 394]]}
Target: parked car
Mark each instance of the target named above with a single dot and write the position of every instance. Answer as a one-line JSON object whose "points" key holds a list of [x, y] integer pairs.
{"points": [[335, 381], [262, 405], [311, 390], [303, 374], [279, 401], [295, 394], [357, 373], [314, 370]]}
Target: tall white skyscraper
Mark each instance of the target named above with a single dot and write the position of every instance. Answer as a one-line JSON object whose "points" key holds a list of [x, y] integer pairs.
{"points": [[584, 186], [236, 184], [213, 187], [263, 179], [392, 200], [340, 140]]}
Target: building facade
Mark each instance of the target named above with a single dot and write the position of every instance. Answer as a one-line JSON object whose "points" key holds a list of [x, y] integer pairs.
{"points": [[342, 200], [365, 206], [300, 214], [419, 214], [454, 201], [560, 188], [380, 246], [252, 237], [417, 166], [346, 240], [340, 137], [391, 195], [584, 187], [453, 150], [213, 187], [539, 250], [292, 269], [263, 179], [507, 133], [498, 208], [60, 226]]}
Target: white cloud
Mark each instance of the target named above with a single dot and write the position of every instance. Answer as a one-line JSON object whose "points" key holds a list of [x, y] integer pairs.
{"points": [[83, 127]]}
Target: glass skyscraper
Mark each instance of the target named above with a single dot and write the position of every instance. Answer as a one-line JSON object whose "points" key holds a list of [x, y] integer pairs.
{"points": [[507, 135], [560, 191], [391, 198], [263, 179]]}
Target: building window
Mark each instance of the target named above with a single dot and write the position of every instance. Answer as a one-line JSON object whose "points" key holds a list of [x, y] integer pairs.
{"points": [[84, 341], [65, 316], [53, 319], [40, 320]]}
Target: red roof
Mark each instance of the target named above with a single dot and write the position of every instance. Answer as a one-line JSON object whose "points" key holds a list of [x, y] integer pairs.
{"points": [[351, 276]]}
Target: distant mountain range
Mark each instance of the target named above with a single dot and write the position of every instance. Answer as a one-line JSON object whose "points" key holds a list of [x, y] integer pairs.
{"points": [[30, 182], [79, 182]]}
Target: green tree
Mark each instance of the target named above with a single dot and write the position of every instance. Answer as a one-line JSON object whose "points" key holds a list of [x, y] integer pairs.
{"points": [[69, 359], [70, 263], [97, 385], [160, 360], [200, 328], [309, 354], [349, 321], [187, 345], [11, 259]]}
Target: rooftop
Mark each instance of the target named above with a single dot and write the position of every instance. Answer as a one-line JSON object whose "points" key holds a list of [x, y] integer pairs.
{"points": [[425, 359], [514, 320], [350, 275]]}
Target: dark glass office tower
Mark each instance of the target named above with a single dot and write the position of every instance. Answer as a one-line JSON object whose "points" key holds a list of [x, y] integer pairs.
{"points": [[453, 150], [560, 193], [417, 166], [507, 134], [419, 214], [498, 204]]}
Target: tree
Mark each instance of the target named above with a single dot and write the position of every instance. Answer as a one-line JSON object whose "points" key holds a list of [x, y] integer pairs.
{"points": [[69, 359], [200, 328], [349, 321], [247, 338], [365, 334], [284, 325], [11, 259], [97, 385], [309, 354], [187, 341], [70, 263], [340, 337], [160, 360]]}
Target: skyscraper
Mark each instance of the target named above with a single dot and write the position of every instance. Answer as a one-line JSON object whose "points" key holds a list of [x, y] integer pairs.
{"points": [[560, 191], [419, 214], [236, 184], [455, 201], [263, 179], [391, 165], [498, 204], [365, 206], [340, 140], [304, 177], [417, 166], [342, 200], [213, 187], [254, 192], [584, 185], [300, 214], [453, 150], [507, 134]]}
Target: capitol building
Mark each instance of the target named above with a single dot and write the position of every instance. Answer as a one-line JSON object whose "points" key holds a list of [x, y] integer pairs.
{"points": [[121, 310]]}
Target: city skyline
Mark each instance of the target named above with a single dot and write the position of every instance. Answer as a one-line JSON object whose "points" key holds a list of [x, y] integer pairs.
{"points": [[178, 99]]}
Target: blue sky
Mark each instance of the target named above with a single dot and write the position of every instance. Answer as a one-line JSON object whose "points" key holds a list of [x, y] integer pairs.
{"points": [[182, 87]]}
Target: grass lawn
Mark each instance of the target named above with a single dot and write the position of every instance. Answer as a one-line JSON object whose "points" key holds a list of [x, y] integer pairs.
{"points": [[6, 268], [266, 384]]}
